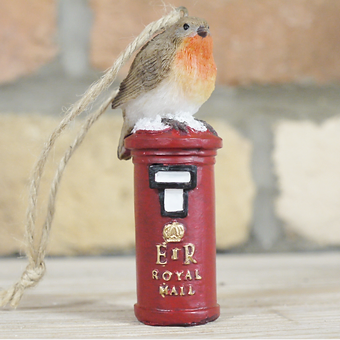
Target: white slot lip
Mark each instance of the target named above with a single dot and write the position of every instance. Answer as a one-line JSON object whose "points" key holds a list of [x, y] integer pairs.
{"points": [[172, 177]]}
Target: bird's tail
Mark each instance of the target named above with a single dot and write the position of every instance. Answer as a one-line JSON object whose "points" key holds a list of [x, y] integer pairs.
{"points": [[122, 152]]}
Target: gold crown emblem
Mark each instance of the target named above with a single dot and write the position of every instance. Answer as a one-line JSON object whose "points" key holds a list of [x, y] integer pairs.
{"points": [[173, 232]]}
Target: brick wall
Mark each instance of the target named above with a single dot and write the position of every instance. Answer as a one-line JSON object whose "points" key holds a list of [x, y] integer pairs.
{"points": [[276, 106], [256, 41]]}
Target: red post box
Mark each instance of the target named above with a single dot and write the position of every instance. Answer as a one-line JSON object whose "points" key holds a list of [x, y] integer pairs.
{"points": [[175, 226]]}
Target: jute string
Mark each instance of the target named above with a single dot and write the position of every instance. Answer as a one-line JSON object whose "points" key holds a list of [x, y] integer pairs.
{"points": [[35, 251]]}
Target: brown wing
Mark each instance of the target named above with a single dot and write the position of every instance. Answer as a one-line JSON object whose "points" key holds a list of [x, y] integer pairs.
{"points": [[150, 66]]}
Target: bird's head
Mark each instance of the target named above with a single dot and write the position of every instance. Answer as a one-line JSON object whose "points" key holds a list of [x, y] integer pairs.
{"points": [[190, 27]]}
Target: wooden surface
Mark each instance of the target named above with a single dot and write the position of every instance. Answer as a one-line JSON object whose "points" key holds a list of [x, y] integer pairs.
{"points": [[261, 296]]}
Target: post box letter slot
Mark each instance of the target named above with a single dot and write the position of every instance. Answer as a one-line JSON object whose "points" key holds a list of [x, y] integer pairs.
{"points": [[173, 183]]}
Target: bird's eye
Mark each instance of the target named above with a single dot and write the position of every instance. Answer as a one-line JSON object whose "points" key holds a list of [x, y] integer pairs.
{"points": [[186, 26]]}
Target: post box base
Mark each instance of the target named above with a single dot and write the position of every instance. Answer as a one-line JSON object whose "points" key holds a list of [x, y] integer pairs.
{"points": [[187, 317]]}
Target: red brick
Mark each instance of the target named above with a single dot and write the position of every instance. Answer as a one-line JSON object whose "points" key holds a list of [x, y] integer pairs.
{"points": [[256, 41], [27, 36]]}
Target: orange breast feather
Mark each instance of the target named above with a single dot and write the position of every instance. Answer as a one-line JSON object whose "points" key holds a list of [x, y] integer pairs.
{"points": [[195, 69]]}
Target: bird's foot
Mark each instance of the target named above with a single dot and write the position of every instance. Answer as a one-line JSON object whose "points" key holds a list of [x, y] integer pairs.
{"points": [[208, 126], [175, 124]]}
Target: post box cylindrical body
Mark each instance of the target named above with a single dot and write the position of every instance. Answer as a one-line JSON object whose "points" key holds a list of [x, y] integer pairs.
{"points": [[175, 226]]}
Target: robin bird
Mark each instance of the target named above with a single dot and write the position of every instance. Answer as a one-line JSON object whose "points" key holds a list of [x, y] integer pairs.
{"points": [[173, 73]]}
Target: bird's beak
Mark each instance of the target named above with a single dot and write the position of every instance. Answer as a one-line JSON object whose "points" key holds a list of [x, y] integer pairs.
{"points": [[202, 31]]}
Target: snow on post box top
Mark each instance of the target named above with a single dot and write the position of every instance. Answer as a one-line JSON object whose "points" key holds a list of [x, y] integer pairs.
{"points": [[155, 135]]}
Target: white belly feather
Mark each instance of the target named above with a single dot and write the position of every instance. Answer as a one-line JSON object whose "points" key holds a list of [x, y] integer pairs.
{"points": [[166, 99]]}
